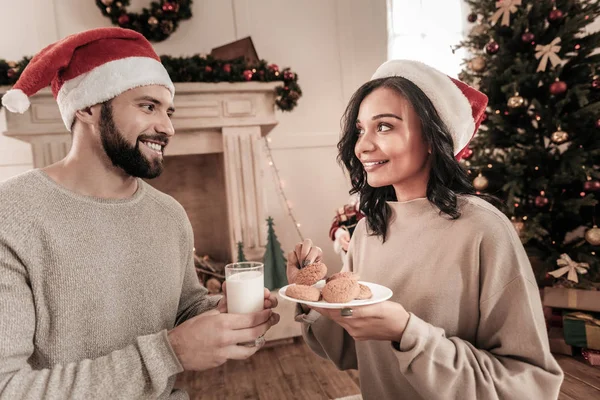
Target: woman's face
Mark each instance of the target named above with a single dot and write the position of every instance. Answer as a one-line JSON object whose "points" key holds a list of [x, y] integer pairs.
{"points": [[391, 146]]}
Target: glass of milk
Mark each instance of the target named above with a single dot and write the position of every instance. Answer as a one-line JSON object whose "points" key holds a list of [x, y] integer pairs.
{"points": [[245, 287]]}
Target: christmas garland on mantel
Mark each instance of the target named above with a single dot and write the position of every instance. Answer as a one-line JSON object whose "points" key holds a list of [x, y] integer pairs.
{"points": [[203, 68]]}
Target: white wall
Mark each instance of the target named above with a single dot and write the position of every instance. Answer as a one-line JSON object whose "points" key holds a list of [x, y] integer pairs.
{"points": [[333, 45]]}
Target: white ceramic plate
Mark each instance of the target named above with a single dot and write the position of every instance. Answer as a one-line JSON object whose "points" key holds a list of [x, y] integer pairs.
{"points": [[380, 293]]}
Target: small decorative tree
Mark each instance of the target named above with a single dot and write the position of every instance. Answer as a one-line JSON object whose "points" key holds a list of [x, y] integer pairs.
{"points": [[241, 256], [274, 260]]}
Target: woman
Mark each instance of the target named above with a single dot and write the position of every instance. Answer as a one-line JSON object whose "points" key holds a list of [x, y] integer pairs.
{"points": [[465, 320]]}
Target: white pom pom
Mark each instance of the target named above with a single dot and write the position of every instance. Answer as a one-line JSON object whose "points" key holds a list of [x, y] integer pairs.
{"points": [[16, 101]]}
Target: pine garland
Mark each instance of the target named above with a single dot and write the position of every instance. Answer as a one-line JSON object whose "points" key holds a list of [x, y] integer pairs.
{"points": [[156, 23], [202, 68]]}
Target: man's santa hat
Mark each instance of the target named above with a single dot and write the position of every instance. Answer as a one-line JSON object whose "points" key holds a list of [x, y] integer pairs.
{"points": [[460, 107], [89, 68]]}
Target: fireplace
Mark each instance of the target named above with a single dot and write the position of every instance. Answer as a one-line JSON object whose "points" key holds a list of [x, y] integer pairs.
{"points": [[213, 164]]}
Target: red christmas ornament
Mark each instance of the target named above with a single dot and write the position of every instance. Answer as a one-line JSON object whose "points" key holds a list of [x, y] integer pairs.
{"points": [[472, 17], [591, 186], [11, 73], [468, 153], [247, 74], [288, 75], [274, 67], [528, 37], [484, 118], [598, 123], [492, 47], [227, 68], [170, 7], [541, 201], [555, 15], [123, 19], [558, 87], [596, 83], [208, 69]]}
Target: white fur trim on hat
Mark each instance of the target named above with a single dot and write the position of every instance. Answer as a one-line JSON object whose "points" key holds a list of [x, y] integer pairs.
{"points": [[108, 81], [16, 101], [451, 104]]}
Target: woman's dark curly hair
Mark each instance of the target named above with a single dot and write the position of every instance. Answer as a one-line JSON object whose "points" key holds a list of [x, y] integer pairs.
{"points": [[447, 179]]}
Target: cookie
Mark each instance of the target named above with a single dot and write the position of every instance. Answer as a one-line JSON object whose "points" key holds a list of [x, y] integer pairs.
{"points": [[311, 274], [340, 290], [343, 274], [365, 293], [302, 292]]}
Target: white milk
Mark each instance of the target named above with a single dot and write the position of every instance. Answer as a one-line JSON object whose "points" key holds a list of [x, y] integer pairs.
{"points": [[245, 292]]}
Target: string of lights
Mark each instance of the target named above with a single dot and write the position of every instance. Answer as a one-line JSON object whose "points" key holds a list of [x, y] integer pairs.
{"points": [[280, 184]]}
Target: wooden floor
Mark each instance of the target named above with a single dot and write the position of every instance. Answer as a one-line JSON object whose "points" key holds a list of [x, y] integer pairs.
{"points": [[292, 371]]}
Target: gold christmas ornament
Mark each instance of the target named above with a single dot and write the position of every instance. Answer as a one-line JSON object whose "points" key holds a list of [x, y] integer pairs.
{"points": [[153, 21], [559, 136], [516, 101], [477, 64], [593, 236], [481, 182], [11, 64]]}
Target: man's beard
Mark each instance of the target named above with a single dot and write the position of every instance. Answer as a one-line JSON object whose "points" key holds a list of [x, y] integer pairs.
{"points": [[124, 155]]}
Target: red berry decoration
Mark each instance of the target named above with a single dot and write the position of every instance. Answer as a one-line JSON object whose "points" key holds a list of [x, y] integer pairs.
{"points": [[596, 82], [274, 67], [591, 186], [541, 201], [123, 19], [492, 47], [11, 73], [555, 15], [170, 7], [528, 37], [467, 153], [598, 123], [247, 74], [227, 68], [558, 87], [288, 75]]}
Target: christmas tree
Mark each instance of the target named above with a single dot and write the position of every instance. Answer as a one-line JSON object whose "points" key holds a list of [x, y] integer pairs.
{"points": [[241, 256], [539, 146], [275, 263]]}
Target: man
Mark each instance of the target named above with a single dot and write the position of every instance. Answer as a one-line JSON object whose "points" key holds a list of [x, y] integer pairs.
{"points": [[98, 292]]}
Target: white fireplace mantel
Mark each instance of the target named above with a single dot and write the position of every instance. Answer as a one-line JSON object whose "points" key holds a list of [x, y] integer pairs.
{"points": [[228, 118]]}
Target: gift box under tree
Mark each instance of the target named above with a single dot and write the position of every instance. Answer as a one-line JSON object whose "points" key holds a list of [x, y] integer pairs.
{"points": [[582, 329]]}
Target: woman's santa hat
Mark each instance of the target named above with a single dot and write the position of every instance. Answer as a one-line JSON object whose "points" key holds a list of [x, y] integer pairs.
{"points": [[460, 107], [89, 68]]}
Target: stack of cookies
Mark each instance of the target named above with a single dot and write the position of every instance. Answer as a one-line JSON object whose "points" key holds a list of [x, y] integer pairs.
{"points": [[341, 287]]}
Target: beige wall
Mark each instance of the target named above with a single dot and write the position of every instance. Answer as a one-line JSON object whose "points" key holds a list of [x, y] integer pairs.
{"points": [[333, 45]]}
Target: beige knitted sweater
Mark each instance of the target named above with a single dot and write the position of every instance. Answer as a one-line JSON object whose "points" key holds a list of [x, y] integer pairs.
{"points": [[476, 329], [89, 288]]}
